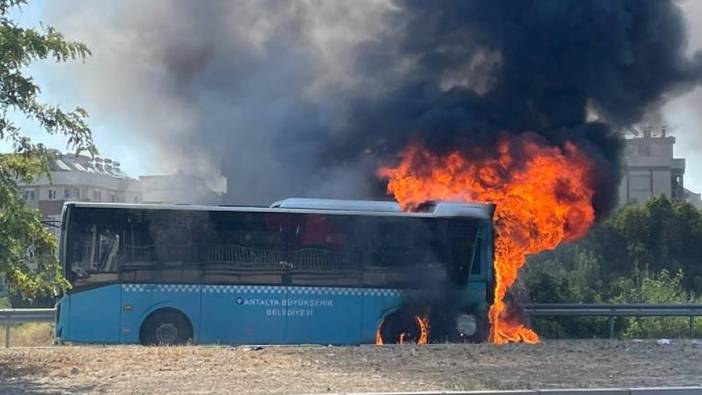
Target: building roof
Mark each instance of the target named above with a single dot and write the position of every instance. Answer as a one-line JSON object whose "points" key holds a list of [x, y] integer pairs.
{"points": [[60, 162]]}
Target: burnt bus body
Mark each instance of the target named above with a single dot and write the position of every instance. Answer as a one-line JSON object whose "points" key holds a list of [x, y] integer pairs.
{"points": [[303, 271]]}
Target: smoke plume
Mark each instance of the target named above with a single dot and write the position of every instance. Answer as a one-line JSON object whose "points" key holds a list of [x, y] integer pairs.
{"points": [[306, 98]]}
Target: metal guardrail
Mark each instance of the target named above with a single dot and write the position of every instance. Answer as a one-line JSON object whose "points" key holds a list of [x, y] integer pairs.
{"points": [[616, 310], [8, 317]]}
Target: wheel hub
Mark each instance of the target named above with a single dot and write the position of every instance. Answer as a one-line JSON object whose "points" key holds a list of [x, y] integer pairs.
{"points": [[166, 333]]}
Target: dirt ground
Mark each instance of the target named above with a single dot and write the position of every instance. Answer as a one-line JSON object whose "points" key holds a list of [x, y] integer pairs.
{"points": [[314, 369]]}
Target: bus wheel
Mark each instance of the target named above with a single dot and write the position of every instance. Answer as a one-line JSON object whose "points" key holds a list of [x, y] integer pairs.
{"points": [[474, 328], [403, 328], [166, 327]]}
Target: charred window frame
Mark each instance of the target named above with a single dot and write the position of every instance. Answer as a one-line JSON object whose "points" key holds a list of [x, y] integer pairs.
{"points": [[269, 248], [482, 253], [244, 248], [407, 253], [465, 250], [94, 246], [367, 251], [161, 246], [326, 249]]}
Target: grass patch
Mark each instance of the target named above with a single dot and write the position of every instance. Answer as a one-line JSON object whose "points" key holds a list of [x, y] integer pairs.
{"points": [[32, 334]]}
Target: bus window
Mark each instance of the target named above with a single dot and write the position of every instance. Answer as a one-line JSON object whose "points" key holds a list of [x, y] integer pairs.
{"points": [[405, 253], [94, 246], [325, 250], [464, 254], [477, 267], [243, 248], [160, 246]]}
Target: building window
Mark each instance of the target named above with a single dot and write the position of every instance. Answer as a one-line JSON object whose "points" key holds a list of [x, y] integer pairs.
{"points": [[677, 189], [97, 196], [76, 193], [66, 193], [29, 195], [640, 183], [114, 198], [52, 194]]}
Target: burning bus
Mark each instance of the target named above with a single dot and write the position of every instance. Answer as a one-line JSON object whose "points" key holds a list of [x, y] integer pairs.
{"points": [[302, 271]]}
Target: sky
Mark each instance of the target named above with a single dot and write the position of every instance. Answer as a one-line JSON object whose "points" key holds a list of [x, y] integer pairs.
{"points": [[142, 156]]}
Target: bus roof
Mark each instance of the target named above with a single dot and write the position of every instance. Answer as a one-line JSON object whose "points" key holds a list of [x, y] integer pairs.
{"points": [[325, 206]]}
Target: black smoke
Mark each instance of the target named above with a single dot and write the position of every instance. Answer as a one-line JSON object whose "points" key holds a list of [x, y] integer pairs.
{"points": [[308, 98], [567, 70]]}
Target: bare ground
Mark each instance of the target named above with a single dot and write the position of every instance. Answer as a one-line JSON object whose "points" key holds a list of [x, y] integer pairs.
{"points": [[314, 369]]}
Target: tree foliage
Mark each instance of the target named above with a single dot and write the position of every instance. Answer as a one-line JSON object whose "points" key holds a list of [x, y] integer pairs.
{"points": [[28, 260], [627, 258]]}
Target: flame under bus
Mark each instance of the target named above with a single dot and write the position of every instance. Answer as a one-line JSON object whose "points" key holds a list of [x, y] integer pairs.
{"points": [[312, 271]]}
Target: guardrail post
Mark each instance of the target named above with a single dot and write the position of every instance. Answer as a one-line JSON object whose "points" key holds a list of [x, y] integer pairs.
{"points": [[692, 326], [611, 327], [7, 334]]}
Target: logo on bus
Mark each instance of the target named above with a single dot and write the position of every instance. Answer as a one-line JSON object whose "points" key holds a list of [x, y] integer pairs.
{"points": [[292, 307]]}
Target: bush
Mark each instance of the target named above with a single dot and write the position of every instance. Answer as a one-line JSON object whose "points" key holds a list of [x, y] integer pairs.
{"points": [[661, 288]]}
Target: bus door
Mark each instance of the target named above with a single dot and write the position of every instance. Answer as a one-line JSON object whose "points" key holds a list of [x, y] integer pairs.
{"points": [[471, 258], [481, 282], [324, 278], [244, 297]]}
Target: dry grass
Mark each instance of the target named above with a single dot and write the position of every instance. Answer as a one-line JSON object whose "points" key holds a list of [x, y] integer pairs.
{"points": [[313, 369], [32, 334]]}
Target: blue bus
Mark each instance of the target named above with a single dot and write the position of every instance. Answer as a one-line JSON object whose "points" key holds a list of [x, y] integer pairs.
{"points": [[302, 271]]}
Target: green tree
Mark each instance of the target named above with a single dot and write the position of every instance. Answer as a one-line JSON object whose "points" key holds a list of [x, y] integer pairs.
{"points": [[28, 260], [660, 235], [625, 258]]}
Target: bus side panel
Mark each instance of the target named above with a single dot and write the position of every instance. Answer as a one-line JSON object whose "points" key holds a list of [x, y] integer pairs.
{"points": [[94, 315], [377, 303], [140, 300], [243, 314], [63, 310], [324, 315]]}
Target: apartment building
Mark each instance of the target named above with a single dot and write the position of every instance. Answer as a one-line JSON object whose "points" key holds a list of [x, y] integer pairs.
{"points": [[650, 168], [78, 178]]}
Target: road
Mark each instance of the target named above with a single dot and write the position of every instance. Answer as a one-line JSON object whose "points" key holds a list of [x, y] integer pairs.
{"points": [[315, 369]]}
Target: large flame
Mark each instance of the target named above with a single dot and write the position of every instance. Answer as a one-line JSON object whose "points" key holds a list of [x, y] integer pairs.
{"points": [[543, 195]]}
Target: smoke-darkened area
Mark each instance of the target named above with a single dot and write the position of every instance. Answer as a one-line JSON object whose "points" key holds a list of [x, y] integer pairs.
{"points": [[307, 98]]}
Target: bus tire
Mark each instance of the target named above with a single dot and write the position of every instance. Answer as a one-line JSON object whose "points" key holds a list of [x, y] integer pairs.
{"points": [[399, 326], [482, 328], [166, 327]]}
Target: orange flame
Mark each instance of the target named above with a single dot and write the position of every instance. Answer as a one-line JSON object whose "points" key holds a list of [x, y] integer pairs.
{"points": [[543, 196], [423, 325]]}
